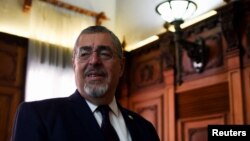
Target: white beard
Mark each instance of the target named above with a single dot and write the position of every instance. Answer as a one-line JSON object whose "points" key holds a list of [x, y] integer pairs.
{"points": [[95, 90]]}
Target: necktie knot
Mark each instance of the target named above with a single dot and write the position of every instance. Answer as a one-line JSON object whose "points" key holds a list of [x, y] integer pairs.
{"points": [[104, 109]]}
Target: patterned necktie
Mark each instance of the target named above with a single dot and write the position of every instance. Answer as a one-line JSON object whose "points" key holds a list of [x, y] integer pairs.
{"points": [[106, 127]]}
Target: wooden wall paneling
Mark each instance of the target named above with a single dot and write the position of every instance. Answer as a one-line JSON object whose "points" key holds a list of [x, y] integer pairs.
{"points": [[123, 97], [204, 101], [247, 94], [9, 100], [235, 87], [204, 82], [13, 53], [12, 62], [246, 65], [149, 104], [195, 128], [146, 86], [246, 41], [145, 68]]}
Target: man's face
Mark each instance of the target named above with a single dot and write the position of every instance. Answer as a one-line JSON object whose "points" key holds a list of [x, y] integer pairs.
{"points": [[97, 67]]}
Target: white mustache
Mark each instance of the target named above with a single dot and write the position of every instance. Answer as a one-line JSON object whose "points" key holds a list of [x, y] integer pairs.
{"points": [[95, 70]]}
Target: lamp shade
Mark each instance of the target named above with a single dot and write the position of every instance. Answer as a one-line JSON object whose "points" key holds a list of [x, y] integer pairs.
{"points": [[172, 10]]}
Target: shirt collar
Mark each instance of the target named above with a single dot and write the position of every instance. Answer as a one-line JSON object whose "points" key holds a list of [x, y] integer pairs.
{"points": [[113, 106]]}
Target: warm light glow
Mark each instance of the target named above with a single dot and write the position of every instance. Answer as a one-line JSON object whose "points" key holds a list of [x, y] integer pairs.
{"points": [[171, 28], [41, 36], [172, 10], [12, 30], [142, 43], [194, 20]]}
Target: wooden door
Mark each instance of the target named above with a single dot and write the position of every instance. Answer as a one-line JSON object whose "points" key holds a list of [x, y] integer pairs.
{"points": [[12, 77]]}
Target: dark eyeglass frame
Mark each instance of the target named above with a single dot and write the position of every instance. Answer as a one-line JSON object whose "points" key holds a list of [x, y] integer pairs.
{"points": [[104, 53]]}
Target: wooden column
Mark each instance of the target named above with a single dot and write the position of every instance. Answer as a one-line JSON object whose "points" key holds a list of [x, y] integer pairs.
{"points": [[169, 106], [235, 87], [231, 18], [247, 94]]}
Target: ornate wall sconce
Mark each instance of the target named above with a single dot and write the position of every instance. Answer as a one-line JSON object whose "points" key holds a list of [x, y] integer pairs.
{"points": [[175, 12]]}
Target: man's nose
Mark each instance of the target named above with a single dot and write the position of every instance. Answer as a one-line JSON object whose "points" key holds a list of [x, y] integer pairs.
{"points": [[94, 58]]}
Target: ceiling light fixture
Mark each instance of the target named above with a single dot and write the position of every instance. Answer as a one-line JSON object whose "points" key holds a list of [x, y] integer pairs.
{"points": [[175, 12]]}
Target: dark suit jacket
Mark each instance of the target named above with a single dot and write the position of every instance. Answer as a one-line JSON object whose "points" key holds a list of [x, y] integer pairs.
{"points": [[70, 119]]}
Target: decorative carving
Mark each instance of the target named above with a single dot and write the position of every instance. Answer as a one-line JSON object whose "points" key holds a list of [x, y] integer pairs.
{"points": [[148, 72], [145, 66], [206, 24], [215, 58], [216, 51], [230, 17], [198, 53]]}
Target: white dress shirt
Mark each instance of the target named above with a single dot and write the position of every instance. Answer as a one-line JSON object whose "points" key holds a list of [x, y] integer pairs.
{"points": [[115, 117]]}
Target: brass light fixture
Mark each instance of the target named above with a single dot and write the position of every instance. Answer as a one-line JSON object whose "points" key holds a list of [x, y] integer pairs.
{"points": [[175, 12]]}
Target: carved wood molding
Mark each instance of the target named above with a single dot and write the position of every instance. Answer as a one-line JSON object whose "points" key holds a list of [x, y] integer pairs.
{"points": [[150, 106], [199, 27], [195, 128], [100, 17], [146, 49], [10, 97], [12, 60], [146, 72], [230, 19]]}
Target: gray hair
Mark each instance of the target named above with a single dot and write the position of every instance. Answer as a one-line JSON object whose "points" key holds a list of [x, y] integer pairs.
{"points": [[101, 29]]}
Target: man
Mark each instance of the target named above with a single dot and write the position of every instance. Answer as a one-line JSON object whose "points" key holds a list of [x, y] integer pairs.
{"points": [[98, 64]]}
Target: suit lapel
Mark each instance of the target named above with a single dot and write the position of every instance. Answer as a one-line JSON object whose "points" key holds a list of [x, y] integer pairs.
{"points": [[86, 117], [89, 123], [131, 124]]}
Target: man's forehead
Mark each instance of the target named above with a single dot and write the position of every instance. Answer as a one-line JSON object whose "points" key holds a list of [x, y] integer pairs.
{"points": [[95, 39], [99, 47], [93, 36]]}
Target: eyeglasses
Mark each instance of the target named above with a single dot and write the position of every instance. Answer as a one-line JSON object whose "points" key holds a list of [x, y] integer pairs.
{"points": [[103, 52]]}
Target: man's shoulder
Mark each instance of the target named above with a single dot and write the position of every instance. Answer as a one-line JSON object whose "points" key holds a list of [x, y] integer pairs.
{"points": [[46, 104], [57, 100]]}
